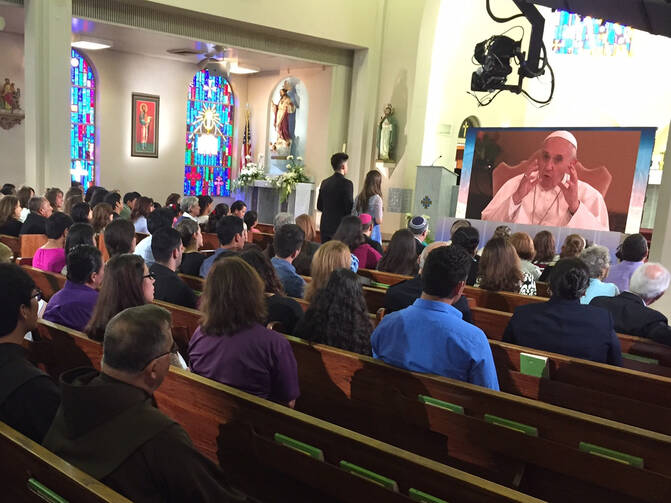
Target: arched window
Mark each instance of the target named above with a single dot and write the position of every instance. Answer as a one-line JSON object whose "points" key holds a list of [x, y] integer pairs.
{"points": [[82, 120], [209, 136]]}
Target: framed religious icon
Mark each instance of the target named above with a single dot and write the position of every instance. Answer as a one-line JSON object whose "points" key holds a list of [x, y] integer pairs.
{"points": [[144, 136]]}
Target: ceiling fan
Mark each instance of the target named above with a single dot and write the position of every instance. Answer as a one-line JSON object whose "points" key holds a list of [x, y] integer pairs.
{"points": [[216, 58]]}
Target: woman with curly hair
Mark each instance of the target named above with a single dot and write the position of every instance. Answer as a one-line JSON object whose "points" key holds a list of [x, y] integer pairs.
{"points": [[401, 254], [338, 315], [500, 269], [330, 256], [280, 307]]}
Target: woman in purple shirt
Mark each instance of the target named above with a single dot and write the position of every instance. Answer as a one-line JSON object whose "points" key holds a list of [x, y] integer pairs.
{"points": [[632, 253], [232, 346]]}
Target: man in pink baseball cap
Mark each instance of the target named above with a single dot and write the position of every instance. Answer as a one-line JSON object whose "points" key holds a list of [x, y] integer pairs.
{"points": [[549, 192]]}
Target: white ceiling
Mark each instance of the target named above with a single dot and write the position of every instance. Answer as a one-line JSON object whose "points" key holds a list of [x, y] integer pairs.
{"points": [[154, 44]]}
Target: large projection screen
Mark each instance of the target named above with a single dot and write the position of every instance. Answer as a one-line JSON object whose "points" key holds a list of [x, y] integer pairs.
{"points": [[610, 176]]}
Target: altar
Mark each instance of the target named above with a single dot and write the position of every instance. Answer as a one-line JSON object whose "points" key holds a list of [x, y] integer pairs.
{"points": [[263, 198]]}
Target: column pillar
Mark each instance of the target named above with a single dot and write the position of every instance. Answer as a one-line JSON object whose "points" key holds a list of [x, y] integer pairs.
{"points": [[660, 249], [47, 93]]}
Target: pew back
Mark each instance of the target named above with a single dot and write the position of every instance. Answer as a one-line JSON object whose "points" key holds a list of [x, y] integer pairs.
{"points": [[32, 474], [240, 432]]}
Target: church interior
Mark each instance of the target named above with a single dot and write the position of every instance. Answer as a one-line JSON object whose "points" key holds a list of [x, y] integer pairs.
{"points": [[433, 116]]}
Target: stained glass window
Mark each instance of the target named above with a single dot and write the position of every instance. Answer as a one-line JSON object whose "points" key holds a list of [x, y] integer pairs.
{"points": [[574, 34], [82, 119], [209, 136]]}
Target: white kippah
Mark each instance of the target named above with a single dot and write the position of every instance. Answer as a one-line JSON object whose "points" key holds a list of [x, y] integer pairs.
{"points": [[564, 135]]}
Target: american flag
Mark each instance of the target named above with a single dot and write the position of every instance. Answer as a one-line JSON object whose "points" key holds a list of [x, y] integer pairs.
{"points": [[246, 142]]}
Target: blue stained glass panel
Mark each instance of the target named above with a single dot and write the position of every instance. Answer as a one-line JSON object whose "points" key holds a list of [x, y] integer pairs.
{"points": [[82, 120], [208, 174], [584, 35]]}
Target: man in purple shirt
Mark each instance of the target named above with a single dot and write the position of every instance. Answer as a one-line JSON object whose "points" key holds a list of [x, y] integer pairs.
{"points": [[73, 305], [632, 253]]}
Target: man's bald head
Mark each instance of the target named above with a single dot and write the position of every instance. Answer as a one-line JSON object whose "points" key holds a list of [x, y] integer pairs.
{"points": [[650, 281], [428, 249]]}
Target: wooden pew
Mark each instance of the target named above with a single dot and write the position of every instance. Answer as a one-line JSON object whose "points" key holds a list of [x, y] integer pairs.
{"points": [[262, 240], [368, 396], [196, 283], [48, 282], [385, 278], [240, 432], [30, 243], [543, 289], [210, 241], [12, 242], [601, 390], [32, 474], [494, 323]]}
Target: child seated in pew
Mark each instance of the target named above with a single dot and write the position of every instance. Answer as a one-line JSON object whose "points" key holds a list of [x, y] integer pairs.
{"points": [[563, 325], [192, 239], [109, 426], [73, 305], [281, 308], [51, 255], [338, 315], [28, 397], [430, 336], [232, 346]]}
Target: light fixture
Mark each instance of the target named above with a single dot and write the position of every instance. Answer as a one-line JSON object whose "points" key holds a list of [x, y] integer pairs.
{"points": [[239, 69], [90, 43]]}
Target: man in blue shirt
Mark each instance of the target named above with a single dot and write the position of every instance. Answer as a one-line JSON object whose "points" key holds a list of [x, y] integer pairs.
{"points": [[430, 336], [232, 237], [288, 243]]}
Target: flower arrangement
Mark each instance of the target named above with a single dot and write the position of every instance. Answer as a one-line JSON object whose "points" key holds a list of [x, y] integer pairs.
{"points": [[286, 182], [248, 175]]}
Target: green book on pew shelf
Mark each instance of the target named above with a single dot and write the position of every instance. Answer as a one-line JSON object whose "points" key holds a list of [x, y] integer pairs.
{"points": [[512, 425], [376, 478], [603, 452], [534, 365], [301, 447], [458, 409], [422, 497], [642, 359]]}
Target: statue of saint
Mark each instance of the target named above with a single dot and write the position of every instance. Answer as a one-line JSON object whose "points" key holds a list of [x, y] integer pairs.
{"points": [[285, 121], [387, 131]]}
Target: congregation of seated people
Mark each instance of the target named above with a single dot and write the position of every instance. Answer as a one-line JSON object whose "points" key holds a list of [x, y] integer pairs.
{"points": [[119, 254]]}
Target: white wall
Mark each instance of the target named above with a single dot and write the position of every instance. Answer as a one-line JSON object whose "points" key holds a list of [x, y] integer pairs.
{"points": [[119, 75], [12, 153], [317, 81], [590, 90]]}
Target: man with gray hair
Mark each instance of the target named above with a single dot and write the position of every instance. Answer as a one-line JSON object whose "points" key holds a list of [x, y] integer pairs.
{"points": [[108, 424], [597, 259], [630, 309], [548, 192], [403, 294], [190, 208]]}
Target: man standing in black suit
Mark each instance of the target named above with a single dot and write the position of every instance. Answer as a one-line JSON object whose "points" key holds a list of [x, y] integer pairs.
{"points": [[336, 197], [630, 310]]}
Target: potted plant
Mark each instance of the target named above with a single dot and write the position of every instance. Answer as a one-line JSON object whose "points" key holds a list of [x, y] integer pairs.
{"points": [[286, 182]]}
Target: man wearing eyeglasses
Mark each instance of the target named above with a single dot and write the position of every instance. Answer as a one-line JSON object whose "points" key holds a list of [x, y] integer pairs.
{"points": [[28, 397], [108, 424]]}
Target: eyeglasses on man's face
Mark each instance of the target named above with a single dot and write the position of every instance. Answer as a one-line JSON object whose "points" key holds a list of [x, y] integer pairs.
{"points": [[174, 349]]}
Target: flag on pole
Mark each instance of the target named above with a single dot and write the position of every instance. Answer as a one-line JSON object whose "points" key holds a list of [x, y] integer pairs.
{"points": [[246, 141]]}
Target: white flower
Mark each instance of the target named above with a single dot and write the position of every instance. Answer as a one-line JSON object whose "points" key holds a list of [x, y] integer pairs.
{"points": [[290, 157], [299, 158], [248, 157], [288, 166]]}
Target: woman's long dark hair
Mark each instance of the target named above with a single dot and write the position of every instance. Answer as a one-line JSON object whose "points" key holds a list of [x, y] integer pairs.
{"points": [[338, 315], [121, 289], [401, 254], [262, 265], [142, 208], [219, 212], [372, 186], [349, 232]]}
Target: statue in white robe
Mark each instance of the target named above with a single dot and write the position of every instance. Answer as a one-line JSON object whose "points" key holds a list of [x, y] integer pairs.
{"points": [[549, 192]]}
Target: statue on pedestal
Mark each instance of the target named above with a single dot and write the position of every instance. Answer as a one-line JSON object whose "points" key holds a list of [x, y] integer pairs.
{"points": [[285, 120], [386, 135]]}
